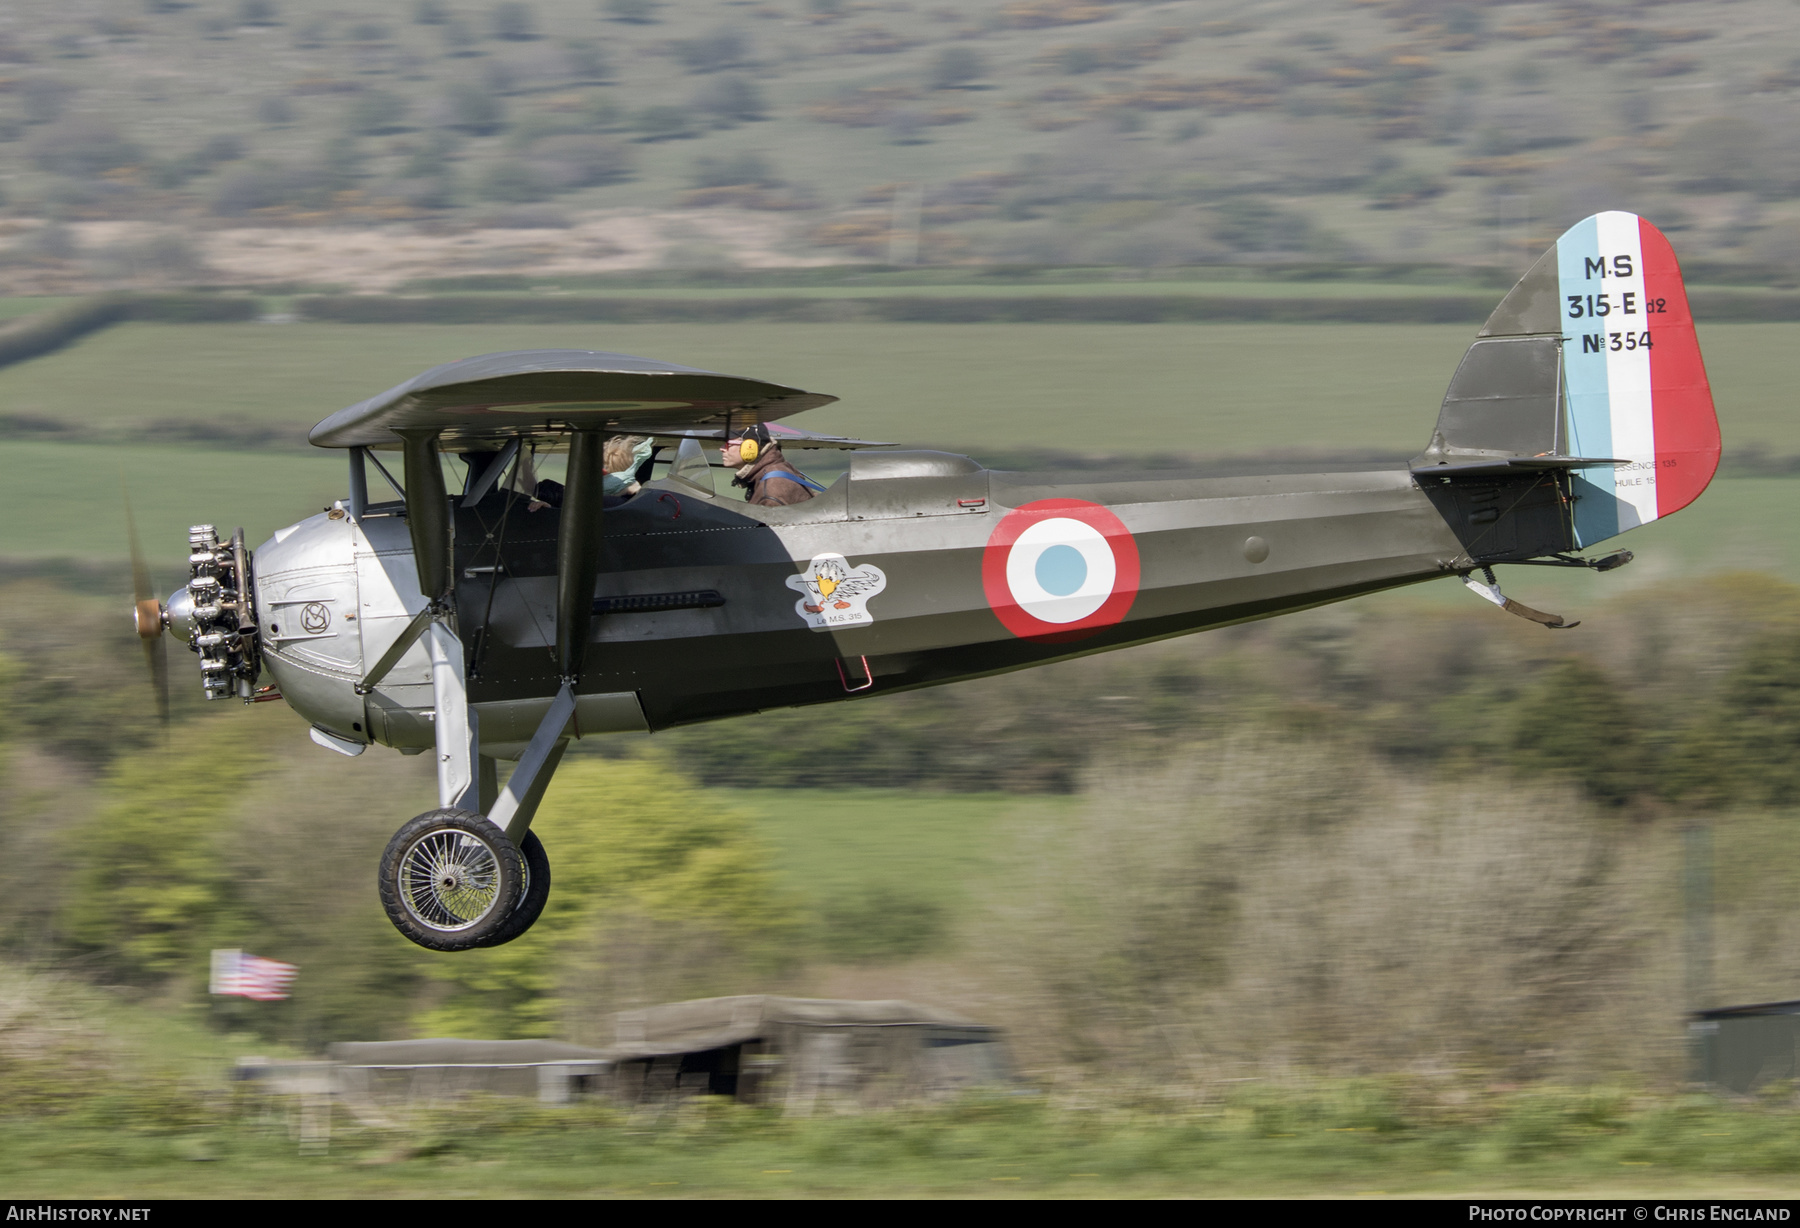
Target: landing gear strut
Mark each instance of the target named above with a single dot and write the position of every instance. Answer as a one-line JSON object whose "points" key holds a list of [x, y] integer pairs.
{"points": [[453, 878]]}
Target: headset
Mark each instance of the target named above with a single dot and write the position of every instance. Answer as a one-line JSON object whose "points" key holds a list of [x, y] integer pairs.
{"points": [[753, 441]]}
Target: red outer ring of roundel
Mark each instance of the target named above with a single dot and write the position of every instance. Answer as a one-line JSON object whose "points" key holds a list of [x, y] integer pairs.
{"points": [[999, 547]]}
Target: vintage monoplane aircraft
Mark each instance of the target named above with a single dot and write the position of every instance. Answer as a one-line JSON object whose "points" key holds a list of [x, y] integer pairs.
{"points": [[478, 630]]}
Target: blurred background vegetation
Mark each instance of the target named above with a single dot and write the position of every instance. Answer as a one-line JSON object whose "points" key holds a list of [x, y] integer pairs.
{"points": [[265, 142], [1381, 836]]}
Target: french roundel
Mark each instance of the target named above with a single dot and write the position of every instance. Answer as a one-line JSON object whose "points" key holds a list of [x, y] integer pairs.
{"points": [[1060, 569]]}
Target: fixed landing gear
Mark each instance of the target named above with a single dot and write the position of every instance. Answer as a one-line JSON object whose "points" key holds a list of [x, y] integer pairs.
{"points": [[451, 881], [533, 896], [470, 874]]}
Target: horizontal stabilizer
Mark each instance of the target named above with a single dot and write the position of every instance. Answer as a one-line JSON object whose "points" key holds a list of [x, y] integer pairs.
{"points": [[1515, 465]]}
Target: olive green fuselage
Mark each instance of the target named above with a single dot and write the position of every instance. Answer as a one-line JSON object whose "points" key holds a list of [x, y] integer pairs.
{"points": [[1323, 537]]}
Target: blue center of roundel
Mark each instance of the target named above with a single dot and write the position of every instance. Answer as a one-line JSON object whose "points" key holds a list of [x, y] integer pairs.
{"points": [[1061, 570]]}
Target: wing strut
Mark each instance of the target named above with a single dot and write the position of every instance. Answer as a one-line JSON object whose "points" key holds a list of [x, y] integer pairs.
{"points": [[457, 732], [578, 551], [460, 764], [428, 514], [577, 567]]}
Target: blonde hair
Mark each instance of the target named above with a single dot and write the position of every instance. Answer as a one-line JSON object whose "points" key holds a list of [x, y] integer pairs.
{"points": [[617, 454]]}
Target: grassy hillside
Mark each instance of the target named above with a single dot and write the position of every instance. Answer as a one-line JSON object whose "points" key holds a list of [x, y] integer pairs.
{"points": [[782, 131]]}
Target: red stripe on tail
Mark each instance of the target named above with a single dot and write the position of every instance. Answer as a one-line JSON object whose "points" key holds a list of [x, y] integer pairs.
{"points": [[1681, 404]]}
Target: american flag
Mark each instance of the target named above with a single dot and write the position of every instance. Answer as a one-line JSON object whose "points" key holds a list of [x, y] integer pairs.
{"points": [[250, 976]]}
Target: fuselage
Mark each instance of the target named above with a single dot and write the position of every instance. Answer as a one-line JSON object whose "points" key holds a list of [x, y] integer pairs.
{"points": [[705, 609]]}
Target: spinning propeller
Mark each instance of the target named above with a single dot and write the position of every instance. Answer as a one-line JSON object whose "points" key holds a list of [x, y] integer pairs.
{"points": [[148, 616]]}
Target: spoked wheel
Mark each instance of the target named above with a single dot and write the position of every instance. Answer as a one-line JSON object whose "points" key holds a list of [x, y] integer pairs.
{"points": [[450, 880], [532, 899]]}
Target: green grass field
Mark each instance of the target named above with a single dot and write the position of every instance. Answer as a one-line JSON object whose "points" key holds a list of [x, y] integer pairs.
{"points": [[1116, 390], [64, 501], [14, 308], [1233, 287], [1150, 389], [831, 843], [1335, 1139]]}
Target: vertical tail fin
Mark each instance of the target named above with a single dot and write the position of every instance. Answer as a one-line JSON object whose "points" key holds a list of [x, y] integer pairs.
{"points": [[1632, 387]]}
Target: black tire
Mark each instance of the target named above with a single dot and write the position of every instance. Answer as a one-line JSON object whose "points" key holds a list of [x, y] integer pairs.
{"points": [[450, 879], [532, 899]]}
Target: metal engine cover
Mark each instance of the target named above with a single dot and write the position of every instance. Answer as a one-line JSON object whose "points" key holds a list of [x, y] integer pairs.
{"points": [[307, 607]]}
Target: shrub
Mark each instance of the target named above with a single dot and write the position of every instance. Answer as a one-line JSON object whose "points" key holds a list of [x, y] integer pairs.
{"points": [[84, 147], [581, 161], [954, 67], [663, 123], [42, 100], [730, 100], [311, 34], [633, 12], [159, 258], [51, 330], [473, 109], [1719, 154], [512, 20], [262, 186], [514, 182], [426, 191], [459, 39], [712, 52], [584, 61], [528, 217], [151, 884], [654, 900], [1572, 724], [735, 169], [499, 76], [430, 158], [375, 111], [1251, 225]]}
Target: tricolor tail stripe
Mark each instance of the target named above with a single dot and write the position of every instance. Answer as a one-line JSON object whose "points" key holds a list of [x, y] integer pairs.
{"points": [[1636, 384]]}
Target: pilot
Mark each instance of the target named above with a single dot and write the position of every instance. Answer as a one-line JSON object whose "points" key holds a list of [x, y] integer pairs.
{"points": [[764, 473]]}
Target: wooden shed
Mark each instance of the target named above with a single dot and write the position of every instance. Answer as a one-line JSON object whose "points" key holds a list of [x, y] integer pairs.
{"points": [[801, 1053]]}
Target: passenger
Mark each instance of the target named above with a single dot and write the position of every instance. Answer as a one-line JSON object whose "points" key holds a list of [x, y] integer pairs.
{"points": [[764, 473], [623, 455], [620, 458]]}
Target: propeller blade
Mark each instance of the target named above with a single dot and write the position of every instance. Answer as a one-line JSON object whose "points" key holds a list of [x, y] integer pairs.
{"points": [[147, 614], [156, 656]]}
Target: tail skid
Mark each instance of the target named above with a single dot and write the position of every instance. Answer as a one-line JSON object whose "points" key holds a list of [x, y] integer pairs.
{"points": [[1491, 592]]}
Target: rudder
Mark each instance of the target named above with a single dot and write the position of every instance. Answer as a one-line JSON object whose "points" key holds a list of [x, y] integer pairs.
{"points": [[1590, 365]]}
